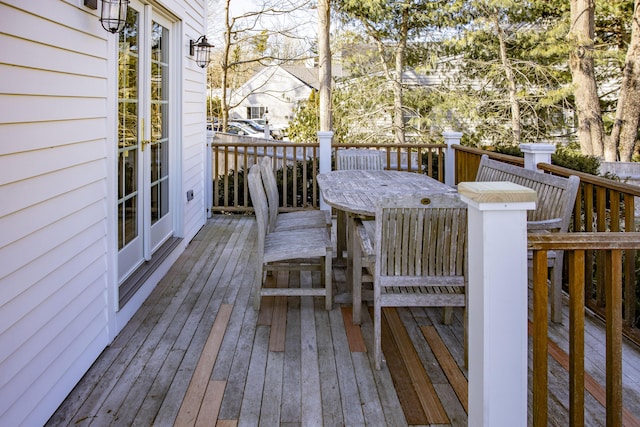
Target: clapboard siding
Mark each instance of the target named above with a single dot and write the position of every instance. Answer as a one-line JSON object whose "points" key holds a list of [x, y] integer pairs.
{"points": [[58, 286], [50, 265], [30, 221], [84, 342], [49, 241], [26, 108], [75, 32], [42, 188], [57, 176], [30, 81], [35, 55], [24, 165], [51, 334], [21, 137]]}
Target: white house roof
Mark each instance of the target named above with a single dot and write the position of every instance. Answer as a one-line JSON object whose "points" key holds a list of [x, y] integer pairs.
{"points": [[306, 75]]}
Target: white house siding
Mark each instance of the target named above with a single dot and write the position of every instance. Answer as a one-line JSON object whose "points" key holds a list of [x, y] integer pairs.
{"points": [[58, 277], [275, 88]]}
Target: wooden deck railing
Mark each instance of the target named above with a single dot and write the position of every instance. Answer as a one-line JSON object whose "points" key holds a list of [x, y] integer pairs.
{"points": [[297, 166], [602, 205], [614, 248]]}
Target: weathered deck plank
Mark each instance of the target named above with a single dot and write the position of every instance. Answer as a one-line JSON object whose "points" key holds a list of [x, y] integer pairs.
{"points": [[311, 401], [313, 379]]}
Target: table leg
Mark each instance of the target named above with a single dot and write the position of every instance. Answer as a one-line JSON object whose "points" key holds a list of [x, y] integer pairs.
{"points": [[341, 234], [356, 272]]}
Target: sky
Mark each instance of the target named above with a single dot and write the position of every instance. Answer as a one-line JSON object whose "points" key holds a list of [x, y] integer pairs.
{"points": [[304, 22]]}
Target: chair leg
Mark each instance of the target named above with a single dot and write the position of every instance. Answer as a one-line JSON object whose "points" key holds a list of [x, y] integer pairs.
{"points": [[341, 233], [356, 280], [447, 315], [258, 288], [466, 338], [377, 335], [327, 279], [556, 288]]}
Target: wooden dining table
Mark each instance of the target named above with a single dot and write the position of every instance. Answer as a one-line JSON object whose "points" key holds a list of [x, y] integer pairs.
{"points": [[357, 192]]}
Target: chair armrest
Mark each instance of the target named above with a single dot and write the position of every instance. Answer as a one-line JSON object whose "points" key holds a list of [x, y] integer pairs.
{"points": [[365, 240], [547, 224]]}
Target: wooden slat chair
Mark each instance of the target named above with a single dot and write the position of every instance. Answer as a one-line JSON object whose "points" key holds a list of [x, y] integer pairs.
{"points": [[418, 256], [556, 197], [354, 159], [302, 249], [289, 220]]}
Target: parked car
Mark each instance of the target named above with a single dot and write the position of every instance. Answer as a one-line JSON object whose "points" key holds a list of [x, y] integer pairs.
{"points": [[241, 129], [257, 125]]}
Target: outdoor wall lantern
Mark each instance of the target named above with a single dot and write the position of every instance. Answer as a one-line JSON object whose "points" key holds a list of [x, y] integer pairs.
{"points": [[113, 15], [202, 51]]}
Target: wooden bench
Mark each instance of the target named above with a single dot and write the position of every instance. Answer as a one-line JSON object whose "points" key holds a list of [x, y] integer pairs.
{"points": [[555, 202], [300, 249]]}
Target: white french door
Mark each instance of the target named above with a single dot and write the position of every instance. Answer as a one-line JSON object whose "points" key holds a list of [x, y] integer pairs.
{"points": [[145, 217]]}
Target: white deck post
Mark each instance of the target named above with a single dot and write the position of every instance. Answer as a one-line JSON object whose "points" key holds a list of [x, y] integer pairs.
{"points": [[536, 153], [497, 301], [324, 138], [450, 138]]}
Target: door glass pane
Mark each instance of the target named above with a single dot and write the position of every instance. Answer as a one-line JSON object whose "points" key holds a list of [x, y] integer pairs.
{"points": [[159, 122], [128, 65]]}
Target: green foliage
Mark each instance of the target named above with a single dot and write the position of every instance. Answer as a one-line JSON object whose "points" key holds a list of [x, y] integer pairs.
{"points": [[511, 150], [571, 158], [300, 185], [566, 156], [434, 164], [306, 121], [232, 189], [534, 37]]}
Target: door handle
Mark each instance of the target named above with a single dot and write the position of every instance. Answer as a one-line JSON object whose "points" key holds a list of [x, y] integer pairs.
{"points": [[143, 142]]}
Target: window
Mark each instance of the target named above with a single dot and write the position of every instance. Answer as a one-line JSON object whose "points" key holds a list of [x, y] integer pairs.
{"points": [[255, 112]]}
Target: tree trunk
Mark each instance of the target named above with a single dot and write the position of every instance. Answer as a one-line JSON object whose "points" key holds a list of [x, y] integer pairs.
{"points": [[624, 133], [324, 57], [224, 102], [395, 77], [581, 34], [398, 110], [511, 83]]}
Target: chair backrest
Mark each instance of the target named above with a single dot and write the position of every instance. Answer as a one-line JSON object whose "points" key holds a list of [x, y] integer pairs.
{"points": [[421, 240], [259, 202], [271, 190], [556, 195], [350, 159]]}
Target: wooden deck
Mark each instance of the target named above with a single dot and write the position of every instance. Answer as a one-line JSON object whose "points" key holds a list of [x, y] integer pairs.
{"points": [[197, 352]]}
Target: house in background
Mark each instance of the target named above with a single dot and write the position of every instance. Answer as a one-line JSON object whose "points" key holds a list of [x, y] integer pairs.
{"points": [[277, 90], [102, 165]]}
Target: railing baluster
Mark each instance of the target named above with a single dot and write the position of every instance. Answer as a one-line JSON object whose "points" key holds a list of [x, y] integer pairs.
{"points": [[630, 263], [588, 227], [576, 337], [601, 226], [540, 326], [613, 268]]}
